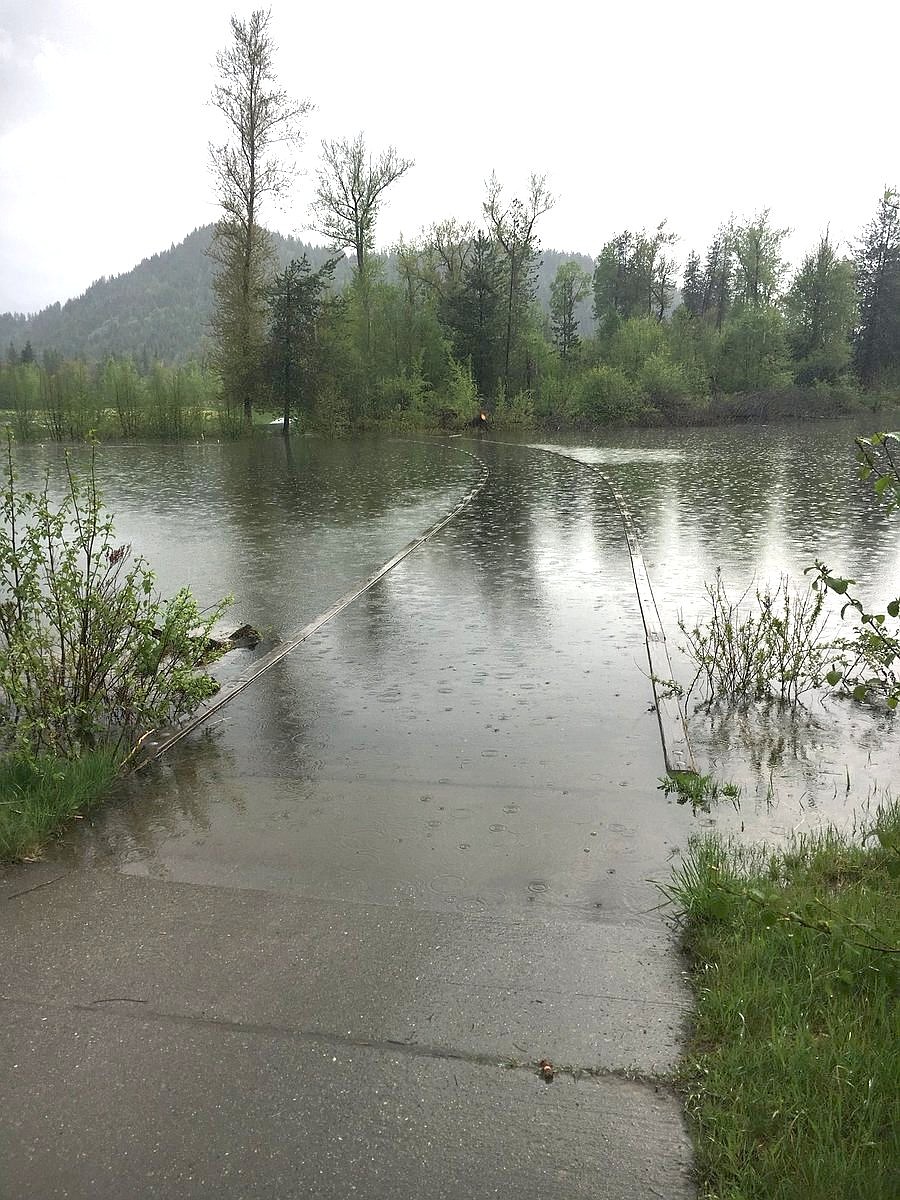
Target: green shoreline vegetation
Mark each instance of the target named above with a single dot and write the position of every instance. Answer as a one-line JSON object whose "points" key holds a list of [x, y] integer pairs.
{"points": [[91, 658], [791, 1077], [465, 319]]}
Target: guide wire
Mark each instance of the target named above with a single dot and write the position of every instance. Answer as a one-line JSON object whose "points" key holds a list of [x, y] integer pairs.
{"points": [[676, 746], [151, 749]]}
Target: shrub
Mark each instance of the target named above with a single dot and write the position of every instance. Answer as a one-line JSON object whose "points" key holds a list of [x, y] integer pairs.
{"points": [[776, 649], [604, 394], [514, 412], [90, 656]]}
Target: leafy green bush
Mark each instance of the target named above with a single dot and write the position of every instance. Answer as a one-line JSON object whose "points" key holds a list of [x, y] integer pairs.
{"points": [[664, 383], [90, 656], [867, 664], [604, 394], [514, 412], [774, 648]]}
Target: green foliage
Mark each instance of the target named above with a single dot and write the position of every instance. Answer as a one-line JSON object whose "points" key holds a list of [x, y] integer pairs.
{"points": [[90, 657], [40, 794], [867, 664], [775, 649], [822, 310], [752, 354], [697, 790], [514, 412], [758, 265], [293, 358], [634, 276], [877, 343], [632, 342], [605, 394], [570, 286], [791, 1075]]}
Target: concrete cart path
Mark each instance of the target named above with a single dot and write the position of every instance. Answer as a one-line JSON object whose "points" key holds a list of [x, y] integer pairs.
{"points": [[323, 953]]}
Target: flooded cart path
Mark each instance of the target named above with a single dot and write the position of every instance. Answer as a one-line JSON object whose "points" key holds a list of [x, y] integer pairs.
{"points": [[410, 861]]}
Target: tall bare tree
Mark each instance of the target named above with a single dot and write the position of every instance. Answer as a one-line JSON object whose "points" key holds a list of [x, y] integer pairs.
{"points": [[512, 228], [349, 192], [256, 162]]}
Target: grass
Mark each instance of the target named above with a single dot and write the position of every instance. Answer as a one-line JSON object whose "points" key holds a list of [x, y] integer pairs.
{"points": [[38, 797], [698, 790], [792, 1076]]}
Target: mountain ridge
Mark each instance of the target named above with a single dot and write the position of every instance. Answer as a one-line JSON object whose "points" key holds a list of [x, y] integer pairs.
{"points": [[160, 309]]}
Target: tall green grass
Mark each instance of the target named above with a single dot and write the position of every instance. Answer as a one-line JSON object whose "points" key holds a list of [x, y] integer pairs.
{"points": [[792, 1078], [39, 796]]}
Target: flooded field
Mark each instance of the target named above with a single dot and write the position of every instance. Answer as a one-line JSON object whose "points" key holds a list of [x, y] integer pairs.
{"points": [[477, 730]]}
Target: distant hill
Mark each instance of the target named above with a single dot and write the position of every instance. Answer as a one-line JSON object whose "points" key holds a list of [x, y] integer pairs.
{"points": [[160, 309]]}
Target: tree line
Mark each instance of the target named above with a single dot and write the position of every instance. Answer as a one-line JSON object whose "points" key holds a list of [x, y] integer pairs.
{"points": [[452, 319], [459, 325]]}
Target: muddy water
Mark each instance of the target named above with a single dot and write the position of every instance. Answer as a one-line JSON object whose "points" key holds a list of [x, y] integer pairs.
{"points": [[476, 731]]}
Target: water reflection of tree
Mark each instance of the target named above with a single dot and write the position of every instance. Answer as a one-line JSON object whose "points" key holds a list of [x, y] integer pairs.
{"points": [[157, 803]]}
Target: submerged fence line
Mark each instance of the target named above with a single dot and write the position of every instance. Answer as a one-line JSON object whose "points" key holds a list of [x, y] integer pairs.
{"points": [[151, 749], [673, 733]]}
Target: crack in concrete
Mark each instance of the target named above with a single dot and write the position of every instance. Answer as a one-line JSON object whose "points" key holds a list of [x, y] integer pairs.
{"points": [[412, 1049], [36, 887]]}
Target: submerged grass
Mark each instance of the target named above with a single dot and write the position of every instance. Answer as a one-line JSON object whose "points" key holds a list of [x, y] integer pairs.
{"points": [[792, 1077], [38, 796]]}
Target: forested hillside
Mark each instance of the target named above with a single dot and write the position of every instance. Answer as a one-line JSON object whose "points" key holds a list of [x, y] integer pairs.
{"points": [[160, 310]]}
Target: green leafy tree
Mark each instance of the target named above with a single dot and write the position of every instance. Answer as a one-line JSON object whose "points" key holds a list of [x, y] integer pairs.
{"points": [[877, 346], [752, 352], [822, 310], [570, 286], [255, 163], [759, 267], [634, 275]]}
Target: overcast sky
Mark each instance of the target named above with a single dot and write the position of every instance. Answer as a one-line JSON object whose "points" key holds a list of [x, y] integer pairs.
{"points": [[636, 111]]}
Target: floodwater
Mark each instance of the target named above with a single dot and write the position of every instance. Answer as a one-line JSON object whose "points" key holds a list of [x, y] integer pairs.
{"points": [[477, 732]]}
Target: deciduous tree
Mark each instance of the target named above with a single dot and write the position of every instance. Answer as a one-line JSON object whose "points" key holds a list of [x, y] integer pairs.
{"points": [[254, 163], [349, 192], [512, 228]]}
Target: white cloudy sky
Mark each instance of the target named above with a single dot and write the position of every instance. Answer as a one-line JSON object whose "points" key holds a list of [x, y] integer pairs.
{"points": [[686, 109]]}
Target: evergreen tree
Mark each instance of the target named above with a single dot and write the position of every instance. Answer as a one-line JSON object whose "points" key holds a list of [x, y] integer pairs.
{"points": [[27, 355], [296, 302], [877, 347], [821, 307], [570, 286], [474, 313]]}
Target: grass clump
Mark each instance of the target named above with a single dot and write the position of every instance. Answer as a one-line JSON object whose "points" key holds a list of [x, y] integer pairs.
{"points": [[792, 1077], [38, 795], [699, 791]]}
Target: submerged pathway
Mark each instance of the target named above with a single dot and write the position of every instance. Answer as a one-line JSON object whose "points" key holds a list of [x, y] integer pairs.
{"points": [[322, 951]]}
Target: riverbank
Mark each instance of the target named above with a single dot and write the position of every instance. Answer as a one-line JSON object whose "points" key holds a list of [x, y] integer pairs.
{"points": [[432, 413], [792, 1074]]}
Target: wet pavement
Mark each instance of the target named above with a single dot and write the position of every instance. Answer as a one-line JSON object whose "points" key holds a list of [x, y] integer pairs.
{"points": [[320, 948]]}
